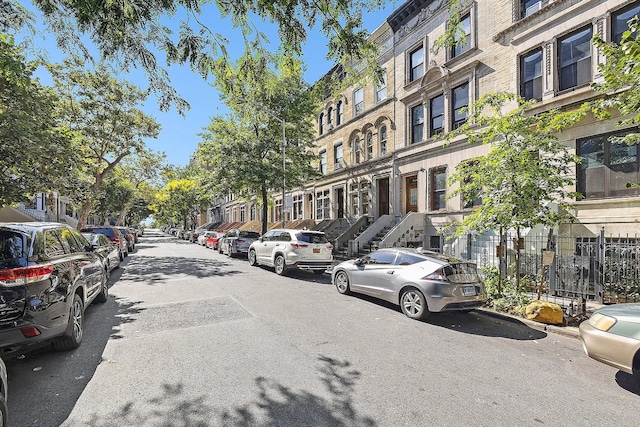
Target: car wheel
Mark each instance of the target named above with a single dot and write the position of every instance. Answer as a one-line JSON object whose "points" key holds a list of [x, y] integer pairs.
{"points": [[104, 290], [252, 258], [3, 410], [341, 281], [219, 249], [73, 335], [413, 304], [280, 266], [121, 257]]}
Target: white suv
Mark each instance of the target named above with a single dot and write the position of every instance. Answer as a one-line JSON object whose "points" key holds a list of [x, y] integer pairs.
{"points": [[285, 249]]}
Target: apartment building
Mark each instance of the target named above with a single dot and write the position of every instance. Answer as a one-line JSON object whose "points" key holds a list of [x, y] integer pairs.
{"points": [[378, 144]]}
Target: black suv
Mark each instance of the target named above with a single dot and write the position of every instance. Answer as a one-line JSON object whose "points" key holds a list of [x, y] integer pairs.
{"points": [[48, 276]]}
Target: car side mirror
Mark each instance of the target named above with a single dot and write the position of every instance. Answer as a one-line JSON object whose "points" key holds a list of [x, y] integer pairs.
{"points": [[260, 240], [358, 261]]}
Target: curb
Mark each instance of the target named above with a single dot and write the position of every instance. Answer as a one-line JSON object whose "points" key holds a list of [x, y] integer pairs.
{"points": [[567, 331]]}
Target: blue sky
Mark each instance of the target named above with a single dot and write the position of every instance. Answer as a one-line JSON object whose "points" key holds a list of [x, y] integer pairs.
{"points": [[179, 135]]}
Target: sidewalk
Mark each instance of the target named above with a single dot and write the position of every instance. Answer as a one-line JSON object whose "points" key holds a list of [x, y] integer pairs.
{"points": [[567, 331]]}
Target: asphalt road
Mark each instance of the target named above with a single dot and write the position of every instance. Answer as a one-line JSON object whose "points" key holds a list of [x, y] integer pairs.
{"points": [[190, 337]]}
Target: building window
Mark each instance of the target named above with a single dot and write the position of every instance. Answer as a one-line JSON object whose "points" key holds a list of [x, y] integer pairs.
{"points": [[321, 124], [528, 7], [417, 123], [531, 75], [357, 153], [574, 59], [339, 113], [620, 21], [297, 207], [243, 214], [462, 41], [369, 140], [323, 162], [355, 204], [323, 207], [381, 88], [337, 156], [416, 64], [252, 213], [382, 139], [438, 180], [278, 211], [459, 105], [358, 101], [330, 118], [436, 115], [607, 168]]}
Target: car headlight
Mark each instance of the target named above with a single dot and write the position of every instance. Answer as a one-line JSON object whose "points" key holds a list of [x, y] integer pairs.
{"points": [[602, 322]]}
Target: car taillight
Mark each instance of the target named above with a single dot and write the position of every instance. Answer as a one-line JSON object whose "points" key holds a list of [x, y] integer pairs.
{"points": [[299, 245], [330, 247], [239, 241], [30, 331], [436, 275], [24, 275]]}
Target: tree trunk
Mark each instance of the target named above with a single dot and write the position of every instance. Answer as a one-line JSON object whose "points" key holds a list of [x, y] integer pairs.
{"points": [[265, 209], [83, 214]]}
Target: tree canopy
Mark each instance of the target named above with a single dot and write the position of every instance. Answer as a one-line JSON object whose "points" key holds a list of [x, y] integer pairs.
{"points": [[146, 33], [103, 114], [524, 179], [243, 152], [36, 154]]}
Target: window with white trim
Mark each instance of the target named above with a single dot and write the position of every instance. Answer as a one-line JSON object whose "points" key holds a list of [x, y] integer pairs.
{"points": [[357, 153], [296, 211], [358, 101], [339, 113], [321, 124], [323, 162], [531, 75], [416, 64], [436, 115], [459, 105], [381, 88], [462, 41], [417, 123], [574, 59], [620, 20], [438, 188], [382, 140], [369, 145], [337, 156], [323, 207]]}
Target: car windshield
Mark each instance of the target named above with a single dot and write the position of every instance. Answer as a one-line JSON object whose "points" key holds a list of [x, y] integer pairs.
{"points": [[312, 237], [11, 249]]}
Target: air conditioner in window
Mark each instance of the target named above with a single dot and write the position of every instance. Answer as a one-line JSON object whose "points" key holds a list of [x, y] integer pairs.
{"points": [[330, 126], [533, 8]]}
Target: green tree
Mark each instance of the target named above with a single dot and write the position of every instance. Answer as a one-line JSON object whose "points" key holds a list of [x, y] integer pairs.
{"points": [[523, 180], [244, 150], [179, 202], [35, 150], [107, 124], [131, 33], [621, 72], [116, 193]]}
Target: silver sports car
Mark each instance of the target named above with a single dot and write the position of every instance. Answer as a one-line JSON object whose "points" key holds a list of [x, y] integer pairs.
{"points": [[420, 282]]}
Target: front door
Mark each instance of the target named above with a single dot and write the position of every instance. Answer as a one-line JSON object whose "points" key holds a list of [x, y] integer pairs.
{"points": [[340, 202], [411, 194], [383, 197]]}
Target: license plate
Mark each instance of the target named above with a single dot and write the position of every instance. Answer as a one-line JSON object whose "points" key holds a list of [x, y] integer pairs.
{"points": [[316, 250], [469, 291]]}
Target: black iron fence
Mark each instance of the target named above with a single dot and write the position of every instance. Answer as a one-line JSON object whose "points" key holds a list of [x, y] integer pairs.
{"points": [[603, 269]]}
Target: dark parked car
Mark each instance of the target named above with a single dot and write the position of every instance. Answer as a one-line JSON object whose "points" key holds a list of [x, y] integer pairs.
{"points": [[48, 276], [108, 250], [112, 234]]}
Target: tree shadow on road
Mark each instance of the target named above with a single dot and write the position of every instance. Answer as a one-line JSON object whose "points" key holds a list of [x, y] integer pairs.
{"points": [[149, 270], [275, 404], [46, 384]]}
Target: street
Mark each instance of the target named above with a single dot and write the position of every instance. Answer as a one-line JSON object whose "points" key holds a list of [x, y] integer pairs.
{"points": [[190, 337]]}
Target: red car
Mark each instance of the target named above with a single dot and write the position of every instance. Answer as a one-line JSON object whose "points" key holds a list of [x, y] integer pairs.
{"points": [[212, 241]]}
